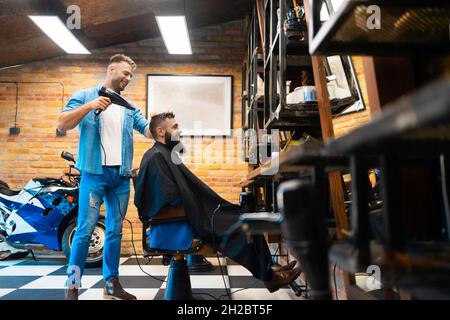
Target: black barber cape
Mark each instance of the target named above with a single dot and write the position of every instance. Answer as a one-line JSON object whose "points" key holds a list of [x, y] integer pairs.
{"points": [[163, 179]]}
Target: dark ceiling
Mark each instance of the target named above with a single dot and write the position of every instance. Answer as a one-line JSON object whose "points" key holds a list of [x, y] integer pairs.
{"points": [[103, 22]]}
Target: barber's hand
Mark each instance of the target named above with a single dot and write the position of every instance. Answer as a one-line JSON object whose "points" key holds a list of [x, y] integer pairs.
{"points": [[101, 103]]}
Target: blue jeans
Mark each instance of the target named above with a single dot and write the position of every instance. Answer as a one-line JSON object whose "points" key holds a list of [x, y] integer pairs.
{"points": [[94, 189]]}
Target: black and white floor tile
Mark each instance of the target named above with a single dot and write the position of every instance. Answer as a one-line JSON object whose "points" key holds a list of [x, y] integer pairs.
{"points": [[44, 280]]}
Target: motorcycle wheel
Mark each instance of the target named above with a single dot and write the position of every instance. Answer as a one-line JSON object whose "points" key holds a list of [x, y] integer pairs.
{"points": [[95, 254]]}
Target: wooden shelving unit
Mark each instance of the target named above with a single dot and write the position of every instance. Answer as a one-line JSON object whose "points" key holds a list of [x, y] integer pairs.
{"points": [[278, 52], [413, 132], [408, 26]]}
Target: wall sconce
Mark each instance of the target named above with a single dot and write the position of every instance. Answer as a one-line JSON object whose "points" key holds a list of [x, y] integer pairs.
{"points": [[14, 131]]}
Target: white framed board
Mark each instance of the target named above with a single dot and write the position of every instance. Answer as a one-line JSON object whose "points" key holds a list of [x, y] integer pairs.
{"points": [[202, 104]]}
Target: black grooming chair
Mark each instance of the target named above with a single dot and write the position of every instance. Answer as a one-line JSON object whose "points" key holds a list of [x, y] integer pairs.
{"points": [[178, 282], [305, 232]]}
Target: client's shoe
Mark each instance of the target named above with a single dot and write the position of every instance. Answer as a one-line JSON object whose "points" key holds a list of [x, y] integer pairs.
{"points": [[197, 263], [71, 294], [289, 266], [113, 290], [282, 278]]}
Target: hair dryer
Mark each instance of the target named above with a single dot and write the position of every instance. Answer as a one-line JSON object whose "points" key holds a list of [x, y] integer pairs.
{"points": [[115, 98]]}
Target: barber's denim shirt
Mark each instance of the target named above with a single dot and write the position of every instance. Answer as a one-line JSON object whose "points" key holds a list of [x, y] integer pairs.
{"points": [[89, 149]]}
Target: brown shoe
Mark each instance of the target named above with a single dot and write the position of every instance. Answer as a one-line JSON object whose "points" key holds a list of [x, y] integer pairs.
{"points": [[113, 290], [71, 294], [289, 266], [282, 278]]}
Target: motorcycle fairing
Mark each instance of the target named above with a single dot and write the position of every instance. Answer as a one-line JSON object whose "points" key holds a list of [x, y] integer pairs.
{"points": [[37, 215]]}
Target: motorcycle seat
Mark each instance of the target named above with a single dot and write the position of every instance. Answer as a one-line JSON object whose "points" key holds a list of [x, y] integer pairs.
{"points": [[8, 192]]}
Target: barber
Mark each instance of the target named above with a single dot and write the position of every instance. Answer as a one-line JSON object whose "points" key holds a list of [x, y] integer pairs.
{"points": [[105, 156]]}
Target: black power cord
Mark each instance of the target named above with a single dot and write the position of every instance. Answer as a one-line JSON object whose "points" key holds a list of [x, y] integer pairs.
{"points": [[242, 289], [227, 290], [334, 279]]}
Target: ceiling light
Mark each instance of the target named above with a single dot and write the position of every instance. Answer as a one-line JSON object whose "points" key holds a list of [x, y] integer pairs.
{"points": [[175, 34], [55, 29]]}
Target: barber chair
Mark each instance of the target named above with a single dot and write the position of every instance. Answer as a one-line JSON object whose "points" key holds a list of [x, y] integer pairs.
{"points": [[178, 282], [304, 228]]}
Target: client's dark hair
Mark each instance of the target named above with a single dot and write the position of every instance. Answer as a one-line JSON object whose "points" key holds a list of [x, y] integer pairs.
{"points": [[157, 119]]}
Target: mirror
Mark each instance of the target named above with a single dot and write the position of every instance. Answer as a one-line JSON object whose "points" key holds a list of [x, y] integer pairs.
{"points": [[342, 79]]}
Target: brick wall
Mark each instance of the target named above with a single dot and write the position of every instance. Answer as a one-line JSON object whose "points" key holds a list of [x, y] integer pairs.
{"points": [[218, 50]]}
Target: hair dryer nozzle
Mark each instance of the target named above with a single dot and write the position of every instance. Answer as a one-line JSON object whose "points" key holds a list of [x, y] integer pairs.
{"points": [[115, 98]]}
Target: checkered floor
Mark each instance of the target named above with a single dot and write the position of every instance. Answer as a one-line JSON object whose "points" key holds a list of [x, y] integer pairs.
{"points": [[44, 280]]}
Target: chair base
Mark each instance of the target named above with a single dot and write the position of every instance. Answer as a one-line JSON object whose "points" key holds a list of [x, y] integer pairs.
{"points": [[178, 281]]}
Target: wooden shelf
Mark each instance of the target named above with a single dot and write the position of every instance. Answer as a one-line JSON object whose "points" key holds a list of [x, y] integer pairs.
{"points": [[346, 32], [415, 120], [294, 50], [304, 115], [292, 123], [312, 154], [296, 159], [422, 270]]}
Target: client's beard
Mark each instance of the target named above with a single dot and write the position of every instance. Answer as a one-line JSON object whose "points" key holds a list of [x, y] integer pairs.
{"points": [[171, 144]]}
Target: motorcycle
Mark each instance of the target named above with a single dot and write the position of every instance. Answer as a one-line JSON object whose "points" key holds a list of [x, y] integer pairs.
{"points": [[43, 215]]}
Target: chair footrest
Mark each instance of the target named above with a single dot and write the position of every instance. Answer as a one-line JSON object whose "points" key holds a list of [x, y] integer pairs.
{"points": [[196, 246], [261, 222]]}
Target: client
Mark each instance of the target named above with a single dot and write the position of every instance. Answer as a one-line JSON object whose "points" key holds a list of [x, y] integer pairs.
{"points": [[164, 180]]}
